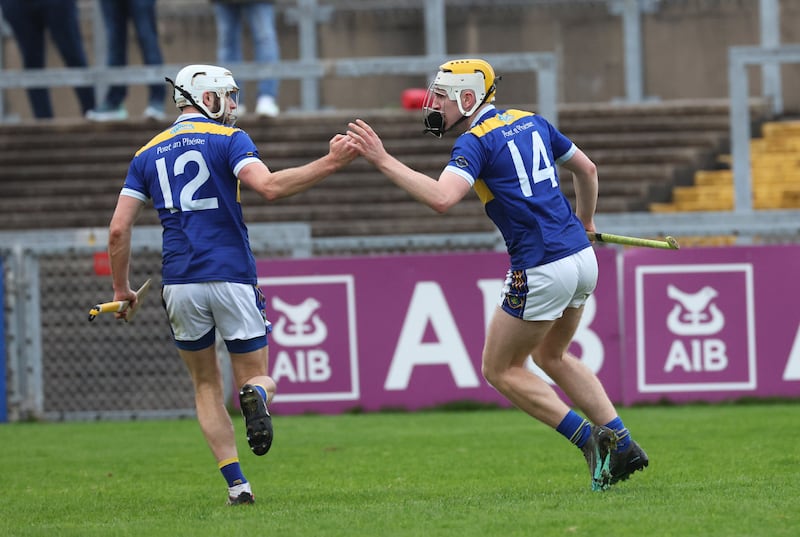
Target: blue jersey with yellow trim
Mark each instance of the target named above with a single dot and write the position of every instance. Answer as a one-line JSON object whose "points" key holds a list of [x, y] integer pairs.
{"points": [[510, 158], [189, 171]]}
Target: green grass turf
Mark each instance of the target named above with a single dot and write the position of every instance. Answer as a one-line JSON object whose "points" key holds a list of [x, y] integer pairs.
{"points": [[724, 470]]}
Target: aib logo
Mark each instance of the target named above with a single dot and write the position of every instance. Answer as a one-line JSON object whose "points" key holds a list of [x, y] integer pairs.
{"points": [[299, 325], [695, 328], [694, 314], [313, 351]]}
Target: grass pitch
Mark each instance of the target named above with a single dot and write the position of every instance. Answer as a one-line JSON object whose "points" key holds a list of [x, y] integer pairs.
{"points": [[725, 470]]}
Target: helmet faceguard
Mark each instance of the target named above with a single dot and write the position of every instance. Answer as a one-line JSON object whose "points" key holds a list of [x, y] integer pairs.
{"points": [[194, 81], [453, 78]]}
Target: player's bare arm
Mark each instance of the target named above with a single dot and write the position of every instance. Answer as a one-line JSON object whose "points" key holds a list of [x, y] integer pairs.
{"points": [[438, 195], [586, 187], [283, 183], [119, 245]]}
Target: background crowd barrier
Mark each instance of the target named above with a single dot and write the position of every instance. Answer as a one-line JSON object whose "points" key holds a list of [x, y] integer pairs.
{"points": [[406, 331]]}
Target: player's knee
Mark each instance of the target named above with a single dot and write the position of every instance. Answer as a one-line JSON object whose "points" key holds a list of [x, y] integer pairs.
{"points": [[547, 360], [492, 374], [487, 372]]}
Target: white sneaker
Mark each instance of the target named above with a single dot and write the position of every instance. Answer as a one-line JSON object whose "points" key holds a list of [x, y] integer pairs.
{"points": [[154, 112], [107, 114], [267, 107], [240, 494]]}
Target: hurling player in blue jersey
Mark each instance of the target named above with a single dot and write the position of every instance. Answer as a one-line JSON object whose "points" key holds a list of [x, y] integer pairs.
{"points": [[191, 171], [509, 157]]}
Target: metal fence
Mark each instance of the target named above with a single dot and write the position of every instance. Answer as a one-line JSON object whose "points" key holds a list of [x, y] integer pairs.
{"points": [[60, 366]]}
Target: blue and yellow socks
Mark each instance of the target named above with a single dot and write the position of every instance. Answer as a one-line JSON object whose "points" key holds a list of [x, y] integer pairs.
{"points": [[575, 428], [623, 435], [232, 472], [260, 389]]}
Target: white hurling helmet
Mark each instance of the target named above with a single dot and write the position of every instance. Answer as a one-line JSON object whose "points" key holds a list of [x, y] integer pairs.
{"points": [[454, 77], [195, 80]]}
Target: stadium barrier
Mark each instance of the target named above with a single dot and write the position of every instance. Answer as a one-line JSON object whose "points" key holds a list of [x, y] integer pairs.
{"points": [[3, 369], [61, 367], [677, 326]]}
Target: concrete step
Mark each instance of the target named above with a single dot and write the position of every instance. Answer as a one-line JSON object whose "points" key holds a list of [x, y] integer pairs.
{"points": [[69, 173]]}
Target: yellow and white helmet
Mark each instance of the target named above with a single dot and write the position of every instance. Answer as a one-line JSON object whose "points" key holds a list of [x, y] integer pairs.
{"points": [[473, 74], [453, 78], [194, 80]]}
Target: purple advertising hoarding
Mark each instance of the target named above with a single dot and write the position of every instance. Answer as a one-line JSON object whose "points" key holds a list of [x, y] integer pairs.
{"points": [[407, 331], [712, 324], [3, 404], [404, 331]]}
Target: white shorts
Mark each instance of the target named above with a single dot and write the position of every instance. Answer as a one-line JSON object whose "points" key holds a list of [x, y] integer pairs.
{"points": [[236, 310], [543, 293]]}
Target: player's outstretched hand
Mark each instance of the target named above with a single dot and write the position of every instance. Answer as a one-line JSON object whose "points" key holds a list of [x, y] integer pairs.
{"points": [[342, 152], [368, 144]]}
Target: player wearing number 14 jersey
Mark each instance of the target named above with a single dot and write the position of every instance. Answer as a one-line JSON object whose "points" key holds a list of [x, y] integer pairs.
{"points": [[192, 172], [513, 170], [510, 158]]}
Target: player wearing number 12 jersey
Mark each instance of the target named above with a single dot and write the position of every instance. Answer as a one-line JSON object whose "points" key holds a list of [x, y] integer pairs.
{"points": [[192, 172], [189, 171], [510, 158]]}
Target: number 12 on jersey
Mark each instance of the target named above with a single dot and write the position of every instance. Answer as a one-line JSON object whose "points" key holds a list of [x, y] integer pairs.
{"points": [[187, 201]]}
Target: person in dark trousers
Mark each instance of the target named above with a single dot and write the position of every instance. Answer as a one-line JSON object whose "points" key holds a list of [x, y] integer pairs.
{"points": [[30, 21], [116, 15]]}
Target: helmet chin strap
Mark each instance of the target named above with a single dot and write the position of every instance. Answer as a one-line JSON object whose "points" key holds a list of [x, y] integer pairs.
{"points": [[188, 98]]}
